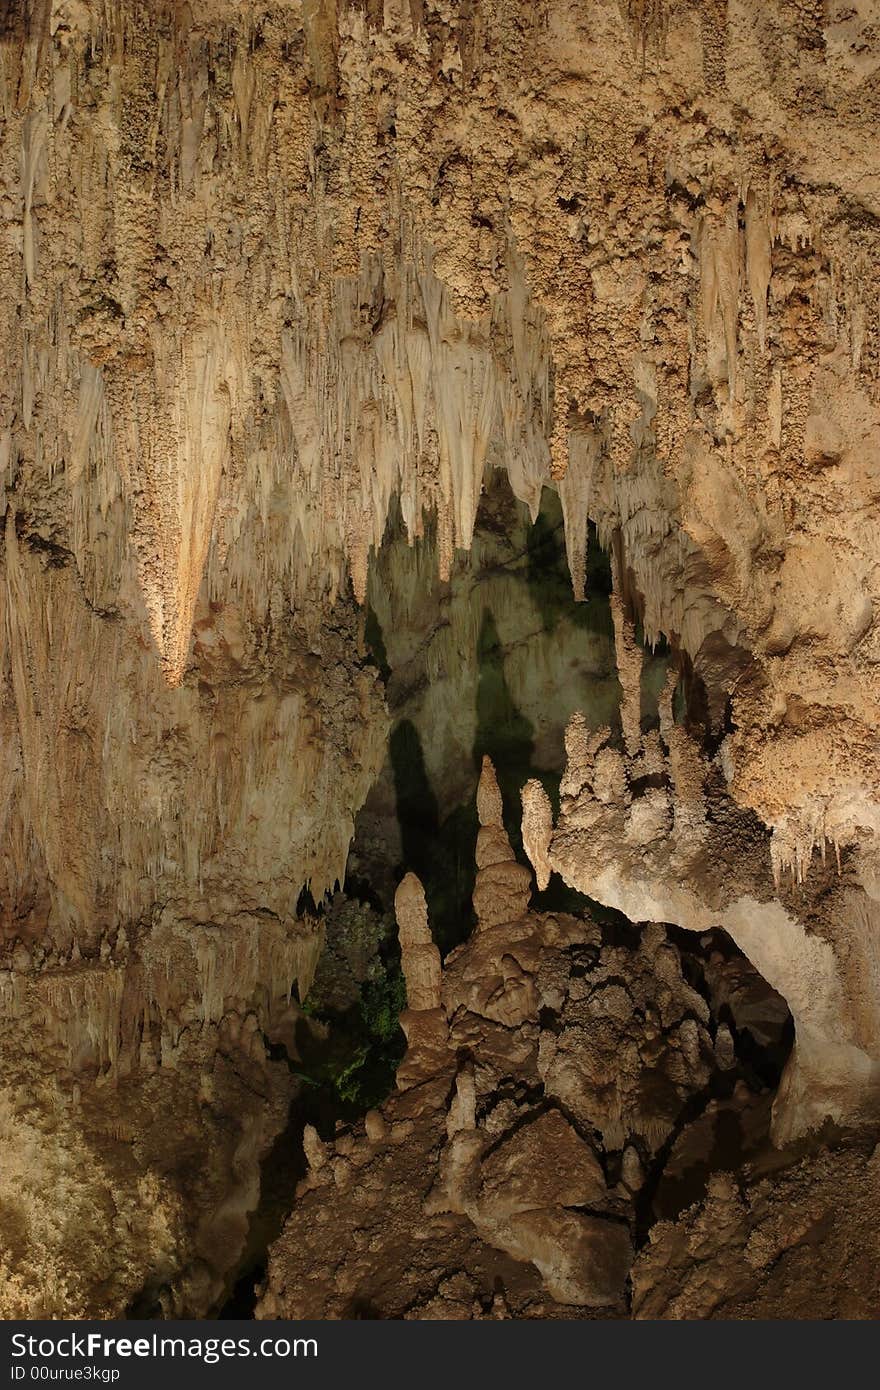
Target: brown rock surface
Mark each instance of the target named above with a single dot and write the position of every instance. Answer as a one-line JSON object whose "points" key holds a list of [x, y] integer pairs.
{"points": [[800, 1244], [525, 1152], [267, 268]]}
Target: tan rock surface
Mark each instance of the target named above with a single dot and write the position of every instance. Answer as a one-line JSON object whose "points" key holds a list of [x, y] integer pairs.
{"points": [[268, 267]]}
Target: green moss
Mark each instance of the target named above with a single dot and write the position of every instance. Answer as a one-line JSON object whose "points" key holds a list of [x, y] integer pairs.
{"points": [[352, 1062]]}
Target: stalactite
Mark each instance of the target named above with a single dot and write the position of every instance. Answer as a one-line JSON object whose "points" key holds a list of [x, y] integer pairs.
{"points": [[537, 829], [629, 665]]}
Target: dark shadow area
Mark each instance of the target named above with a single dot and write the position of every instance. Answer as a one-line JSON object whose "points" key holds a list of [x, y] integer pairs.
{"points": [[507, 736], [19, 17], [25, 24], [732, 1114], [503, 732], [436, 842], [548, 576], [345, 1063], [281, 1170], [441, 854], [348, 1063], [375, 644]]}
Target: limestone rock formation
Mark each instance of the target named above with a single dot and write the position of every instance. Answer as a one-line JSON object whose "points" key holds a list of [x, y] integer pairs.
{"points": [[655, 834], [277, 272], [776, 1250], [137, 1103], [489, 663], [529, 1133]]}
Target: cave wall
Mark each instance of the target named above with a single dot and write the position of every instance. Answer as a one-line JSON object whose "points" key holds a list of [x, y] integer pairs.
{"points": [[269, 267], [272, 265]]}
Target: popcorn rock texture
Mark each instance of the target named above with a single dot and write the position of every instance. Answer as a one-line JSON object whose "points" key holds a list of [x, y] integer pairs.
{"points": [[274, 272]]}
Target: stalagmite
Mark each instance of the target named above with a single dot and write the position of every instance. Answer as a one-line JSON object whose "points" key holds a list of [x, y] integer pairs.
{"points": [[462, 1114], [581, 747], [300, 302], [629, 666], [314, 1150], [686, 768], [493, 844], [423, 1021], [684, 873], [503, 886], [419, 957]]}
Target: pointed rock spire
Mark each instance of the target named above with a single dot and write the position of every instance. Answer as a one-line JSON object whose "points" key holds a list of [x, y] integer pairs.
{"points": [[503, 886], [629, 663], [420, 958]]}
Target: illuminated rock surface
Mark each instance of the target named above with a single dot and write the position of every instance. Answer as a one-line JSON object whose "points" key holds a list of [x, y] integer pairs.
{"points": [[283, 282]]}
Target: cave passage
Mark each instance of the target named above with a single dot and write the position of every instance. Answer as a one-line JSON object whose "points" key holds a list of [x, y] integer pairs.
{"points": [[493, 662]]}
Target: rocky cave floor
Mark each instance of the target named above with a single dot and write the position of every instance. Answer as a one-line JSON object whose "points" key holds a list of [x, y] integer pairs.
{"points": [[579, 1127]]}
